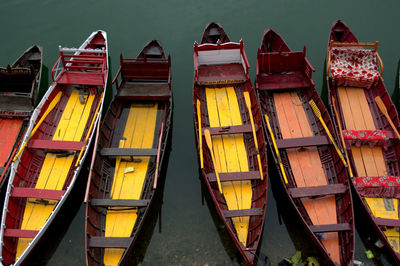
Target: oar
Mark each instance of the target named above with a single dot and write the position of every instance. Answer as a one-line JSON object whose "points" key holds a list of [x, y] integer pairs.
{"points": [[248, 104], [92, 162], [318, 114], [158, 156], [88, 133], [341, 136], [200, 134], [210, 147], [49, 109], [276, 148], [384, 111]]}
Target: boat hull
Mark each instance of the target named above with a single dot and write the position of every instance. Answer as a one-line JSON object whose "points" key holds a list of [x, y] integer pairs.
{"points": [[385, 156], [141, 109], [240, 165], [284, 88], [38, 188]]}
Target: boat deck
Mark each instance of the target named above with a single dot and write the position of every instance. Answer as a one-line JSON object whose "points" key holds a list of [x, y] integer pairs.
{"points": [[139, 124], [230, 153], [368, 161], [56, 166], [219, 74], [306, 166]]}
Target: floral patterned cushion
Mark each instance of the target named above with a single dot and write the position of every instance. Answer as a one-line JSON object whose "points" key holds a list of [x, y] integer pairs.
{"points": [[377, 186], [370, 137], [354, 64]]}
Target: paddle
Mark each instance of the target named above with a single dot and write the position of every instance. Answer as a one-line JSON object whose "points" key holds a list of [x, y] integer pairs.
{"points": [[210, 147], [88, 133], [51, 106], [276, 148], [200, 134], [384, 111], [92, 162], [158, 156], [318, 114], [248, 104], [341, 136]]}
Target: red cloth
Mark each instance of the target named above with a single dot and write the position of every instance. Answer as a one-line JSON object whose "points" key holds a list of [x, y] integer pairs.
{"points": [[351, 66], [377, 181], [370, 137], [378, 186]]}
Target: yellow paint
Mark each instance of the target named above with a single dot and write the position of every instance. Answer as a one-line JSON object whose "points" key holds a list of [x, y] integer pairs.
{"points": [[230, 153], [129, 177], [368, 161], [55, 170]]}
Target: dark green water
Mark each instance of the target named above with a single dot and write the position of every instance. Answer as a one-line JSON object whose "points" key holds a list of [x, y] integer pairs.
{"points": [[189, 235]]}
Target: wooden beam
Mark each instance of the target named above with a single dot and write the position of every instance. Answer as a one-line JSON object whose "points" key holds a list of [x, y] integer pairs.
{"points": [[109, 242], [317, 191], [113, 152], [289, 143], [324, 228], [119, 202], [243, 212], [234, 176], [23, 192]]}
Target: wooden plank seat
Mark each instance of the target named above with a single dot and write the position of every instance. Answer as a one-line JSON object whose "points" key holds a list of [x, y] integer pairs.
{"points": [[246, 128], [23, 192], [221, 74], [81, 78], [243, 212], [290, 143], [109, 242], [152, 91], [19, 233], [114, 152], [234, 176], [284, 81], [387, 222], [119, 203], [58, 145], [325, 228], [317, 191]]}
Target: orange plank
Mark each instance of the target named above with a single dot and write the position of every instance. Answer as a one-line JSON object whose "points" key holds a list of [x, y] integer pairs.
{"points": [[9, 129], [306, 165]]}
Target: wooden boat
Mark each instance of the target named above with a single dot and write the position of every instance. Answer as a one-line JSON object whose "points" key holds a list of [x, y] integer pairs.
{"points": [[368, 121], [129, 156], [54, 147], [231, 145], [311, 171], [19, 87]]}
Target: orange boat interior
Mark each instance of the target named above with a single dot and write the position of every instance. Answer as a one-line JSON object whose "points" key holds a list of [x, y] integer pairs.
{"points": [[9, 130], [306, 166]]}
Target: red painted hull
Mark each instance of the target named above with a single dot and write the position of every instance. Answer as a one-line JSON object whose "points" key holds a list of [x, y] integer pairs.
{"points": [[281, 70], [340, 32], [39, 141], [233, 75]]}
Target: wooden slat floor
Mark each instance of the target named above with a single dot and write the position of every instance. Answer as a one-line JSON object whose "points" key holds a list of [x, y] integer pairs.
{"points": [[55, 169], [230, 153], [368, 161], [306, 166], [9, 129], [129, 177]]}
